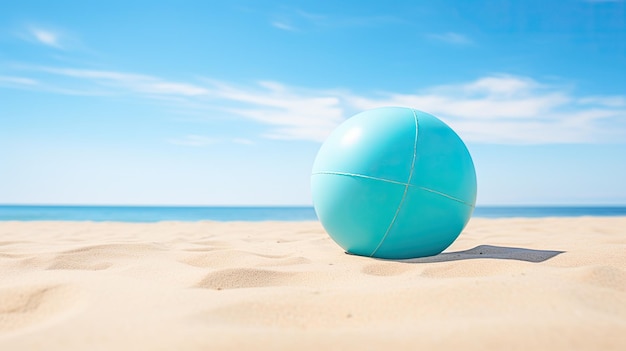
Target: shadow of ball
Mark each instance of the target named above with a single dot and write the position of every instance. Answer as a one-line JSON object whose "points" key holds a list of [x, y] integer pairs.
{"points": [[393, 183]]}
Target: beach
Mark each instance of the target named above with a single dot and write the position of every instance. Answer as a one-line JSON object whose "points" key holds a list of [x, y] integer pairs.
{"points": [[511, 283]]}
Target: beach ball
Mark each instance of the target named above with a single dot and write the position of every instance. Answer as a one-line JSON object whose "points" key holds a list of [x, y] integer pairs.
{"points": [[393, 183]]}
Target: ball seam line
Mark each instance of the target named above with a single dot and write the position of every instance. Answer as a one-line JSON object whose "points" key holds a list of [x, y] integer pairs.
{"points": [[356, 175], [360, 176], [444, 195], [406, 187]]}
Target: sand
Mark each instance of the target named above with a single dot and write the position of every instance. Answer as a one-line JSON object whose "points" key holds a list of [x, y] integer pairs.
{"points": [[541, 284]]}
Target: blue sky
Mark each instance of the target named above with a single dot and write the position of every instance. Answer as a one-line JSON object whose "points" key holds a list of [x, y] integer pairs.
{"points": [[227, 102]]}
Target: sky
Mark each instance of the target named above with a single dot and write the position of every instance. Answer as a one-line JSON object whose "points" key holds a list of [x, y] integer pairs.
{"points": [[227, 102]]}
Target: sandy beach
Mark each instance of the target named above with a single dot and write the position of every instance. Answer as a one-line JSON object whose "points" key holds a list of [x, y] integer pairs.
{"points": [[542, 284]]}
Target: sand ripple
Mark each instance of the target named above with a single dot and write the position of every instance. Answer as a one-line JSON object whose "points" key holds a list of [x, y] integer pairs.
{"points": [[245, 278], [21, 307]]}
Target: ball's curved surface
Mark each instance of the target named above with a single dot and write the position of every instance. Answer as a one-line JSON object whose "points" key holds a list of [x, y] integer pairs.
{"points": [[394, 183]]}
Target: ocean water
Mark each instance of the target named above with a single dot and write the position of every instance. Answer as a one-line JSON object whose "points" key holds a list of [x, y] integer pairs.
{"points": [[155, 213], [178, 213]]}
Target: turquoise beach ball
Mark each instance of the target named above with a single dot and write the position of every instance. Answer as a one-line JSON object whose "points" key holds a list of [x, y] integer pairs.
{"points": [[393, 183]]}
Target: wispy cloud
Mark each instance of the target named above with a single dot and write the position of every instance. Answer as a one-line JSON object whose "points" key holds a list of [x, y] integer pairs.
{"points": [[509, 109], [284, 26], [243, 141], [292, 113], [42, 35], [451, 38], [50, 36], [11, 80], [301, 20], [46, 37], [202, 141], [497, 108], [130, 82], [193, 140], [606, 101]]}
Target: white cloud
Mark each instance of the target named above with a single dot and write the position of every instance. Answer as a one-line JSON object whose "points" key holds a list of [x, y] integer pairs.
{"points": [[11, 80], [497, 108], [138, 83], [46, 37], [283, 26], [202, 141], [509, 109], [193, 140], [243, 141], [499, 85], [451, 38], [300, 20], [493, 109], [291, 113], [608, 101], [43, 36]]}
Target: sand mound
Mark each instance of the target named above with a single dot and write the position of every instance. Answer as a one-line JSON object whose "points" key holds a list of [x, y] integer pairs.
{"points": [[237, 278], [21, 307]]}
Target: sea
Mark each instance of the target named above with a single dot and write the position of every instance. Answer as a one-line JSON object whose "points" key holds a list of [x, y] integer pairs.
{"points": [[288, 213]]}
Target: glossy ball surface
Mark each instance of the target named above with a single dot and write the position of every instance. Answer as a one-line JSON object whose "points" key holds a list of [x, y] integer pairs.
{"points": [[393, 183]]}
